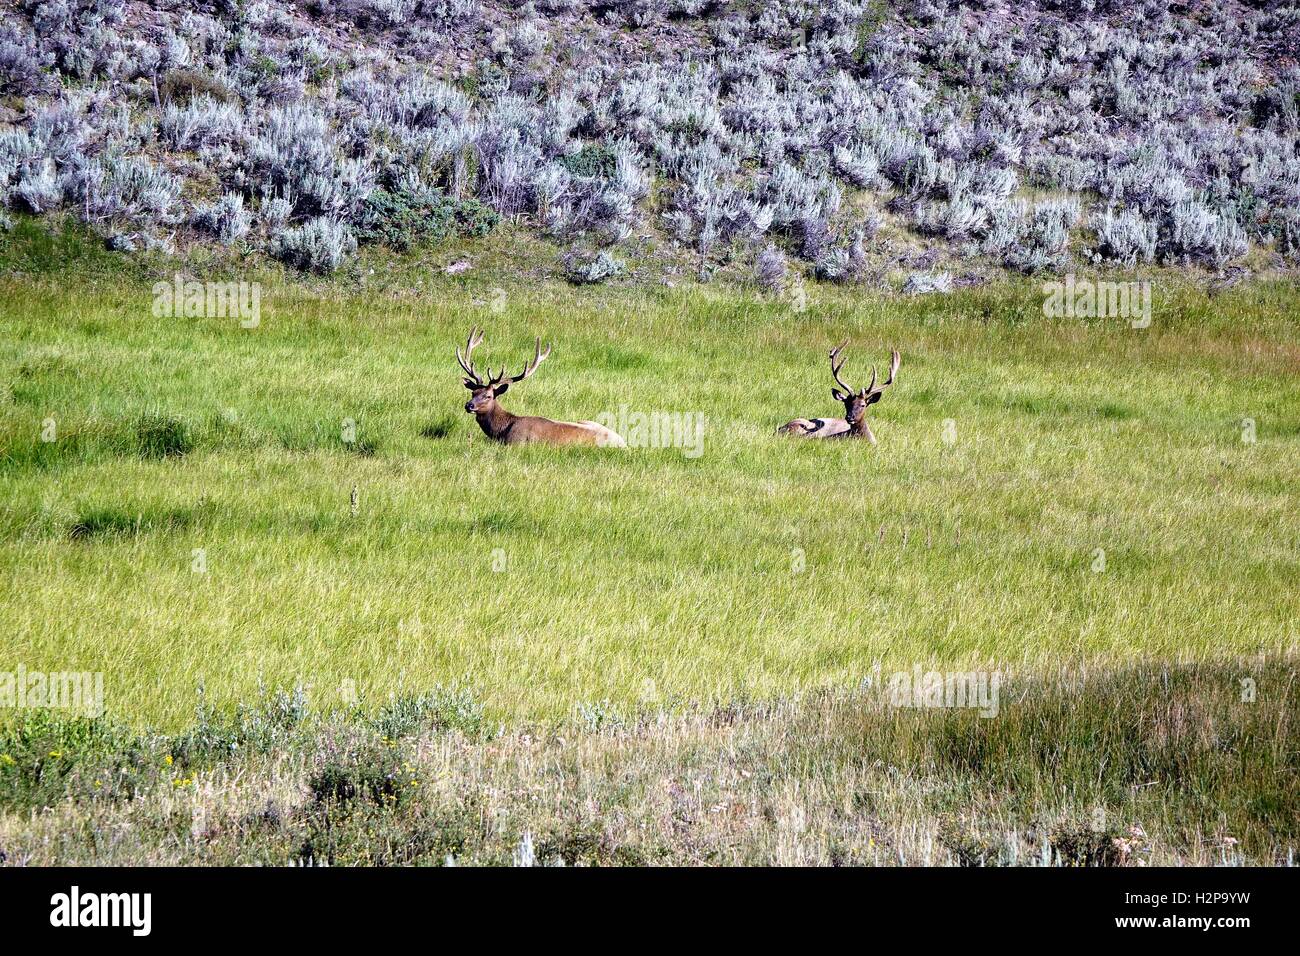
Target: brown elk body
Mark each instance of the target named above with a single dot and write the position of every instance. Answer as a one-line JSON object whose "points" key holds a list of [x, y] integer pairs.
{"points": [[855, 402], [511, 429]]}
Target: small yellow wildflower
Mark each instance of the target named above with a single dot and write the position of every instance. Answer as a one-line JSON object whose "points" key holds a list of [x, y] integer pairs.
{"points": [[168, 760], [56, 753], [7, 760]]}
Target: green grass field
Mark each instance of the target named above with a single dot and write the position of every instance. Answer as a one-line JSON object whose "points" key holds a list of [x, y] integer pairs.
{"points": [[548, 579]]}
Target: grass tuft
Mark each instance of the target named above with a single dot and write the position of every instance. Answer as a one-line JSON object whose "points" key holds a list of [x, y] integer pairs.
{"points": [[162, 436], [437, 430], [108, 521]]}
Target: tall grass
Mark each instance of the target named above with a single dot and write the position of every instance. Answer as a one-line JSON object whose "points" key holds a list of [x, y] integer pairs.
{"points": [[1096, 501], [1132, 766]]}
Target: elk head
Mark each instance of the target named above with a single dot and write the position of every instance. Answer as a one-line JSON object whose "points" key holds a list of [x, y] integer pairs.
{"points": [[484, 392], [856, 401]]}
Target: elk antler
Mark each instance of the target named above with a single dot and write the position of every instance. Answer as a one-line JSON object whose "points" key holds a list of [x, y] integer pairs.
{"points": [[874, 391], [837, 363], [538, 358], [475, 339]]}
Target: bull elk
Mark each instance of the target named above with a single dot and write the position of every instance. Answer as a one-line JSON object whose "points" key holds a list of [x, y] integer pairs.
{"points": [[510, 429], [854, 423]]}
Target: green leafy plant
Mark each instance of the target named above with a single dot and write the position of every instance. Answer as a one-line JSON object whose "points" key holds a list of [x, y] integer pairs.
{"points": [[443, 708], [47, 756], [408, 217], [596, 161]]}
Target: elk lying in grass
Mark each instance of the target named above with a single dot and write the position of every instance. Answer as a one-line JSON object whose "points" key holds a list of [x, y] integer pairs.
{"points": [[510, 429], [854, 423]]}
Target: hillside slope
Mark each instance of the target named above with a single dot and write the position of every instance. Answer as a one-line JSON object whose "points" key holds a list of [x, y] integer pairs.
{"points": [[777, 133]]}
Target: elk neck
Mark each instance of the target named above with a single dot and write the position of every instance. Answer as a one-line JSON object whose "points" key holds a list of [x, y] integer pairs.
{"points": [[495, 421], [860, 429]]}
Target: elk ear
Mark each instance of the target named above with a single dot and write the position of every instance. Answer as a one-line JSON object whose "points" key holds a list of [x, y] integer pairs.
{"points": [[470, 385], [501, 389], [874, 397], [838, 395]]}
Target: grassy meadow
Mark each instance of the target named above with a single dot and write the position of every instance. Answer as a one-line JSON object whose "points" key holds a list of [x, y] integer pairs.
{"points": [[656, 655], [1043, 491]]}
